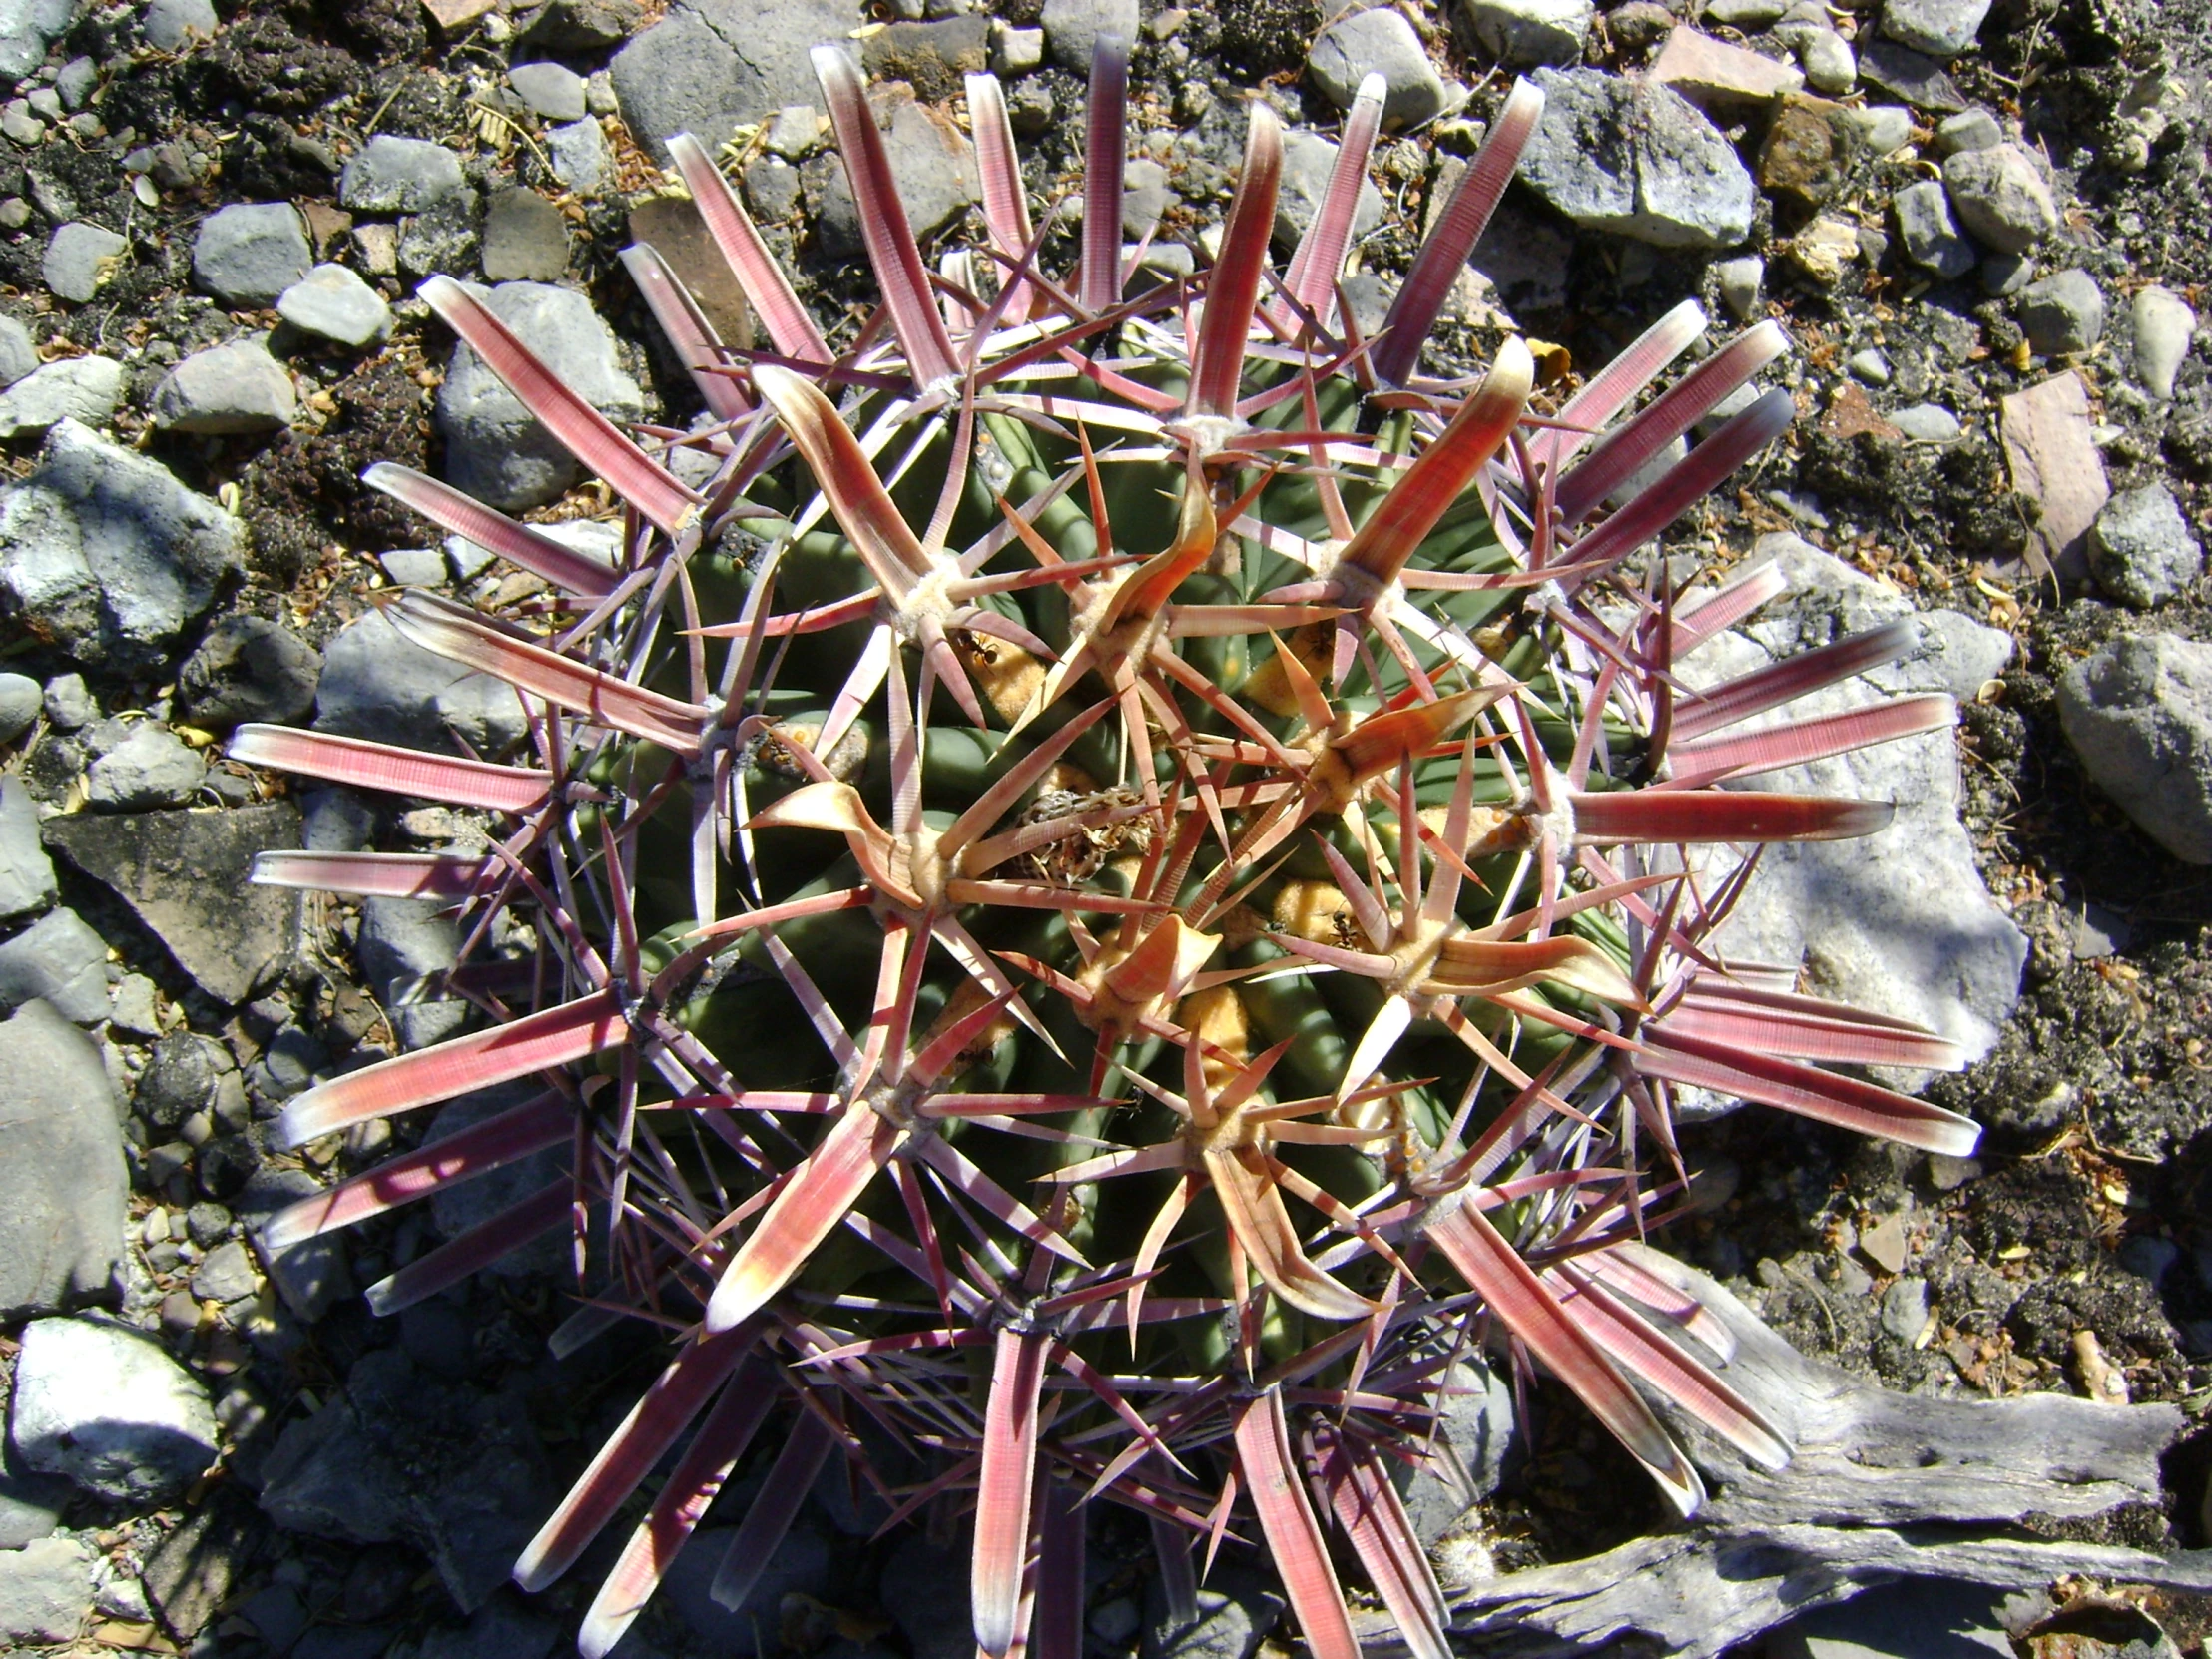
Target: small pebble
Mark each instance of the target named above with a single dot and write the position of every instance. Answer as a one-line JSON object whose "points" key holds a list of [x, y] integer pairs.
{"points": [[2164, 325], [1870, 366]]}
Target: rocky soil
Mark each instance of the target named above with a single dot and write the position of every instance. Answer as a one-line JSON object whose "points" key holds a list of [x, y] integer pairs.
{"points": [[1986, 224]]}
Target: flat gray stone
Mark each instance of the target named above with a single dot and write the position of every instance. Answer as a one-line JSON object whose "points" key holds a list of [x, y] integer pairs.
{"points": [[2062, 314], [152, 767], [495, 448], [26, 873], [248, 669], [1929, 231], [580, 155], [1526, 33], [178, 25], [2164, 325], [227, 390], [378, 684], [106, 553], [1915, 1618], [1941, 28], [80, 257], [553, 89], [393, 174], [248, 254], [1974, 129], [18, 352], [57, 959], [46, 1586], [332, 302], [107, 1408], [2002, 196], [1898, 922], [2138, 713], [525, 237], [1379, 42], [1072, 28], [2141, 549], [1638, 159], [83, 389], [1912, 76], [184, 876], [63, 1183], [1928, 423], [1307, 162], [711, 66], [28, 28]]}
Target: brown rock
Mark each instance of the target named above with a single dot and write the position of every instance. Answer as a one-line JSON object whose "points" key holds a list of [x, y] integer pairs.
{"points": [[1810, 146], [674, 227], [1848, 415], [1711, 73], [2055, 460]]}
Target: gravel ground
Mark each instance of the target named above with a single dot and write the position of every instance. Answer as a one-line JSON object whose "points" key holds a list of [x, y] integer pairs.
{"points": [[206, 384]]}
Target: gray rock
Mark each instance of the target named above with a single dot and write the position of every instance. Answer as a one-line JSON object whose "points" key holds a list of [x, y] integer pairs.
{"points": [[27, 29], [525, 237], [456, 1209], [1740, 280], [1146, 193], [104, 1406], [225, 1274], [710, 67], [2002, 196], [31, 1506], [933, 165], [1474, 1443], [1827, 61], [580, 157], [149, 767], [495, 448], [1928, 423], [63, 1183], [313, 1274], [1929, 232], [2138, 713], [69, 705], [248, 669], [2141, 549], [404, 941], [1237, 1607], [378, 684], [1744, 14], [1526, 33], [249, 254], [392, 174], [174, 25], [1636, 158], [1941, 28], [413, 567], [225, 390], [84, 389], [1897, 922], [1915, 1618], [1912, 76], [583, 25], [26, 873], [1882, 128], [2063, 314], [18, 352], [1307, 160], [46, 1586], [552, 90], [20, 700], [80, 257], [60, 960], [1974, 129], [334, 303], [1870, 366], [1015, 52], [1904, 1308], [107, 554], [1072, 28], [2006, 273], [441, 238], [1380, 42], [184, 876], [2164, 325]]}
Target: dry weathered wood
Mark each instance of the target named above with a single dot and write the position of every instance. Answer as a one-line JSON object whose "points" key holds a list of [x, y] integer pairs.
{"points": [[1881, 1487]]}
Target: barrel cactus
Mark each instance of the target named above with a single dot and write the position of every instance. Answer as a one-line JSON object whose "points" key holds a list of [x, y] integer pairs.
{"points": [[1120, 875]]}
